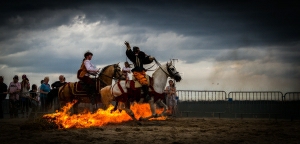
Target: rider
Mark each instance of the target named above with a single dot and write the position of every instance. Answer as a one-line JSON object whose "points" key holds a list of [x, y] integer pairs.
{"points": [[87, 69], [139, 58]]}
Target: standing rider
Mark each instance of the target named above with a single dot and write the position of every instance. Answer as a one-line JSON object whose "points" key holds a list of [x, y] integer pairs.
{"points": [[87, 69], [139, 58]]}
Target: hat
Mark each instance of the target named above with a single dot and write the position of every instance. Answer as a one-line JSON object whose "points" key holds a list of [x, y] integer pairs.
{"points": [[135, 48], [16, 77], [24, 76], [88, 53]]}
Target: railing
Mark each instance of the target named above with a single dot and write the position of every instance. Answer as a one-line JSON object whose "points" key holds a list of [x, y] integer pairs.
{"points": [[291, 96], [255, 96], [194, 95], [270, 104]]}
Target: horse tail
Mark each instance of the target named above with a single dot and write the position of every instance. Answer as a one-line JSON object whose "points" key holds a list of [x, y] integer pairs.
{"points": [[65, 93], [106, 96], [60, 92]]}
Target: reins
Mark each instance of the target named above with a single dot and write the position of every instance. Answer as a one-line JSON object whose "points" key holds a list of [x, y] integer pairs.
{"points": [[148, 69], [161, 67]]}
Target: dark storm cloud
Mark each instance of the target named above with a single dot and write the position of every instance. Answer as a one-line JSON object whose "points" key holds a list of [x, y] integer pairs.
{"points": [[238, 23], [39, 62], [221, 25]]}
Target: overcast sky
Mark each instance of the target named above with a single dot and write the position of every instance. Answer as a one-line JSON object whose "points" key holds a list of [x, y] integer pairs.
{"points": [[247, 45]]}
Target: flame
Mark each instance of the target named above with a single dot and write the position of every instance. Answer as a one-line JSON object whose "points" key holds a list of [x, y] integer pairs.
{"points": [[101, 117]]}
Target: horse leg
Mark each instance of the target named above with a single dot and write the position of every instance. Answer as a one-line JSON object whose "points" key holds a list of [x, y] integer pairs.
{"points": [[62, 104], [141, 101], [115, 107], [94, 107], [161, 103], [130, 112], [152, 108], [75, 108]]}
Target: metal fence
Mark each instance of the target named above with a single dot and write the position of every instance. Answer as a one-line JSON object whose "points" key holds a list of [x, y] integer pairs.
{"points": [[193, 95], [239, 104]]}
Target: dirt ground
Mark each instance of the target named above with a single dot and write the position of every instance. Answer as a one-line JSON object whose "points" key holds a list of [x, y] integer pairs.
{"points": [[172, 130]]}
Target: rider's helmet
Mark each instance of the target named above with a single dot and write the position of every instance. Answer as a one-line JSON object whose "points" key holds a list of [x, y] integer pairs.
{"points": [[87, 54]]}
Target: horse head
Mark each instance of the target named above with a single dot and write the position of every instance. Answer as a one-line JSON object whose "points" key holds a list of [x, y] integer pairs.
{"points": [[112, 71], [173, 73], [118, 74]]}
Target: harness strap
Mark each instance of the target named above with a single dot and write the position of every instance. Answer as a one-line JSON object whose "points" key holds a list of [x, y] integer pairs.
{"points": [[161, 67], [119, 86]]}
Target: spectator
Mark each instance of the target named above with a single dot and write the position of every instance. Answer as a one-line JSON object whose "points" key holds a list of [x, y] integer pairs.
{"points": [[3, 93], [171, 97], [38, 93], [126, 70], [14, 90], [25, 86], [55, 87], [44, 90], [34, 102]]}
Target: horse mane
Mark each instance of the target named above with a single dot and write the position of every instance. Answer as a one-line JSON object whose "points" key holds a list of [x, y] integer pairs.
{"points": [[156, 71], [103, 69]]}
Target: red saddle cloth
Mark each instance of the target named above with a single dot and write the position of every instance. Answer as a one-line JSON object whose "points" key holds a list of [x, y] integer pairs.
{"points": [[81, 94], [134, 93], [79, 88]]}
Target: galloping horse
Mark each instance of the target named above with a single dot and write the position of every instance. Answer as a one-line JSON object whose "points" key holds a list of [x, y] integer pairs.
{"points": [[74, 91], [119, 91]]}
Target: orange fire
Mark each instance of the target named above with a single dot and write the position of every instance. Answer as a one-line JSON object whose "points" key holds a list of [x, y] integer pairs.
{"points": [[101, 117]]}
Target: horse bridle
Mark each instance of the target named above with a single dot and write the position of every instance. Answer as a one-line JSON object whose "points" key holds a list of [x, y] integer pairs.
{"points": [[114, 75], [115, 72], [169, 73]]}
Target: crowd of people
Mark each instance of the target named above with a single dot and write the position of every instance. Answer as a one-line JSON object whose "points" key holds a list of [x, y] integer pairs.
{"points": [[23, 96]]}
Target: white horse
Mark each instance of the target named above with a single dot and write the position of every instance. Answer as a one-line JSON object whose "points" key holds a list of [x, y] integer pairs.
{"points": [[156, 91]]}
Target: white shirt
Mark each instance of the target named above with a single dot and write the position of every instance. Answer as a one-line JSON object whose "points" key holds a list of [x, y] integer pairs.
{"points": [[126, 70], [90, 67]]}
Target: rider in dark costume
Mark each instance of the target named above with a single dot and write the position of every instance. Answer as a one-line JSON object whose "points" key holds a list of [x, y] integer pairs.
{"points": [[139, 58]]}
